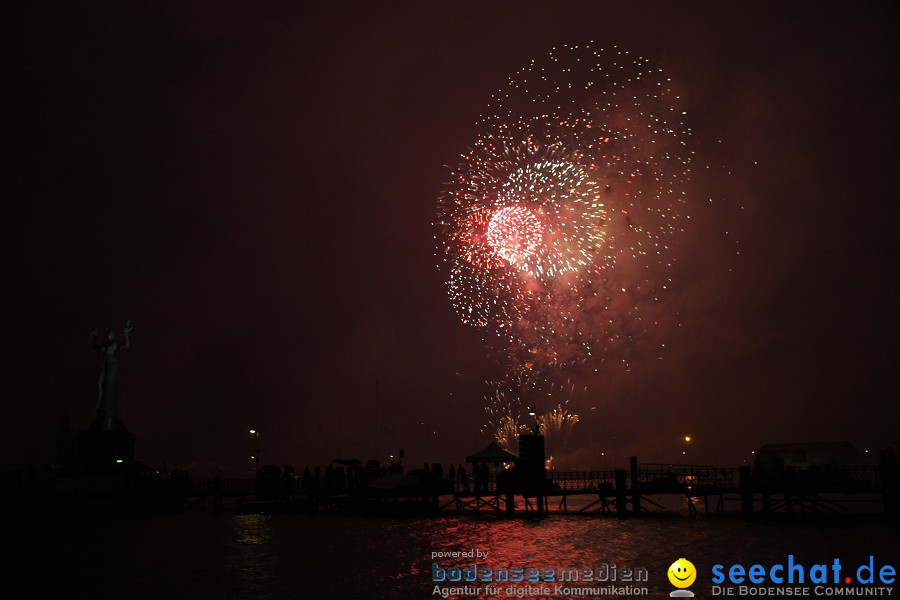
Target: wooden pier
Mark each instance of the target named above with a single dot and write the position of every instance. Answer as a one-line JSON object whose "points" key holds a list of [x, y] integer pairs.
{"points": [[641, 489], [705, 490]]}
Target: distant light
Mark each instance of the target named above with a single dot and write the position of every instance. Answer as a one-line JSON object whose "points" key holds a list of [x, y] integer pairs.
{"points": [[252, 432], [118, 460], [687, 438], [252, 457], [753, 452], [683, 452]]}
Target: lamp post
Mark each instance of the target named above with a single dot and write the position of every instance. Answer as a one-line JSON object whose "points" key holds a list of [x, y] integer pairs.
{"points": [[254, 435], [687, 440]]}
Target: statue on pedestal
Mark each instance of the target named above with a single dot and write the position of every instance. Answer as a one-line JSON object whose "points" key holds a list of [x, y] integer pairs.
{"points": [[106, 382], [106, 447]]}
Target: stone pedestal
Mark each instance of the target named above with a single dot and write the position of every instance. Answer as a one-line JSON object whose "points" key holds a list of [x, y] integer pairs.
{"points": [[106, 446]]}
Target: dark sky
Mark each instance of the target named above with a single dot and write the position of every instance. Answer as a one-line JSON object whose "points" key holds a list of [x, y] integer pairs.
{"points": [[254, 186]]}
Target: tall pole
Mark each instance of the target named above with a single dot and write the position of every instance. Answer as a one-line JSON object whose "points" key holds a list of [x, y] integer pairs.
{"points": [[376, 449], [254, 435], [340, 430]]}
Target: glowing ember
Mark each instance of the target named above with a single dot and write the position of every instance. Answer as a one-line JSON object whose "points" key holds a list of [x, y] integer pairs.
{"points": [[516, 235]]}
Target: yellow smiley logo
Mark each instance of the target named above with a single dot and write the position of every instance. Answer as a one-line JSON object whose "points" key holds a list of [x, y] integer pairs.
{"points": [[682, 573]]}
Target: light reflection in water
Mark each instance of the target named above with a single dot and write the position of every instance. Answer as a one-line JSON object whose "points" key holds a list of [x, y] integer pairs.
{"points": [[201, 555], [252, 561]]}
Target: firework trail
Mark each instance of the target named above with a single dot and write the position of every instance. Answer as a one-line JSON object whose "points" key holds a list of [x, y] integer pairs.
{"points": [[556, 426], [556, 223], [511, 401]]}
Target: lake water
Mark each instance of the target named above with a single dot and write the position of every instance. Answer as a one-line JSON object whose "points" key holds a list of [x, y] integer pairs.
{"points": [[202, 555]]}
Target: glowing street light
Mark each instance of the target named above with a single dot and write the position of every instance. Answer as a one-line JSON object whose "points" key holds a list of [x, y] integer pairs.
{"points": [[686, 440], [254, 435]]}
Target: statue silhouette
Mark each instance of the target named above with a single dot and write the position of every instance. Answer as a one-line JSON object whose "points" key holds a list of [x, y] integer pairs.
{"points": [[106, 382]]}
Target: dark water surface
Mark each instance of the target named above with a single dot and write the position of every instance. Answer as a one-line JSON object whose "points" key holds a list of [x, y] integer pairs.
{"points": [[201, 555]]}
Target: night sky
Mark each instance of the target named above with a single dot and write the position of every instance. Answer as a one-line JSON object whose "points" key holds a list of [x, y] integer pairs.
{"points": [[255, 188]]}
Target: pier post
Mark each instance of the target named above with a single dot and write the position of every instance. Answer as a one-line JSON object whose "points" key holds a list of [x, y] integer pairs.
{"points": [[217, 494], [621, 491], [789, 489], [510, 504], [175, 492], [746, 488], [890, 481], [635, 486]]}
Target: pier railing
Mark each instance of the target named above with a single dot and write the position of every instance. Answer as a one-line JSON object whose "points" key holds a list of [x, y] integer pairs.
{"points": [[670, 478], [645, 479], [580, 480], [228, 487], [663, 476]]}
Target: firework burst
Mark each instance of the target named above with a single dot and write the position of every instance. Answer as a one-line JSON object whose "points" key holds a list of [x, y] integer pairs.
{"points": [[510, 402], [555, 224]]}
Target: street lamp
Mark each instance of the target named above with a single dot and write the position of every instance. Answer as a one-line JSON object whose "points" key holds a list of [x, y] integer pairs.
{"points": [[687, 440], [254, 435]]}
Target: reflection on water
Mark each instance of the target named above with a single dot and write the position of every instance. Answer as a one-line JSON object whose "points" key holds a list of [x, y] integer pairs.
{"points": [[297, 556], [253, 546]]}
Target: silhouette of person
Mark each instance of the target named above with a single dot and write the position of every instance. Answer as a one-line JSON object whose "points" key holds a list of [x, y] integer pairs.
{"points": [[478, 474], [484, 476], [309, 481], [463, 478]]}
